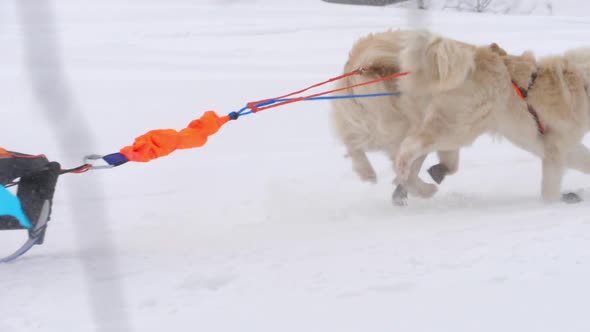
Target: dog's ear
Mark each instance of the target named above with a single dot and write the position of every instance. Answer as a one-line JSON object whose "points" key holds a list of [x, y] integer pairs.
{"points": [[528, 55], [497, 49]]}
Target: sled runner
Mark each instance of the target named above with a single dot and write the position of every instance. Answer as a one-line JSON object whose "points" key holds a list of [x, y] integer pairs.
{"points": [[35, 178]]}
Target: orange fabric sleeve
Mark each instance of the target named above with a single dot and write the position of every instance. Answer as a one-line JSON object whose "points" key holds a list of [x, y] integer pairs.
{"points": [[161, 142]]}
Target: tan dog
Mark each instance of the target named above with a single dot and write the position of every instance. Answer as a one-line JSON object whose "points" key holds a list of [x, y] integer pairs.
{"points": [[470, 92], [378, 124]]}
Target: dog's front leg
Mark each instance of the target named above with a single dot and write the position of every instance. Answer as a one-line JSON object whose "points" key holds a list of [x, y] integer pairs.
{"points": [[553, 169], [551, 182], [415, 184]]}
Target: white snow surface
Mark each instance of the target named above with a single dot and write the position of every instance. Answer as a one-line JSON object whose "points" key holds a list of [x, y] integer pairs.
{"points": [[267, 228], [514, 7]]}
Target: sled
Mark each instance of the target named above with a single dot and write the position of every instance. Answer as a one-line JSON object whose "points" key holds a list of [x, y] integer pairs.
{"points": [[35, 178]]}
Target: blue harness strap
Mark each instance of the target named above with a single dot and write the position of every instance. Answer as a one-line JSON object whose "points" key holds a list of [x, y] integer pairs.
{"points": [[248, 110]]}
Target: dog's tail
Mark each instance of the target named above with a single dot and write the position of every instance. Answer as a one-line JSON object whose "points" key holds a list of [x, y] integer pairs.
{"points": [[377, 54], [436, 63], [580, 57]]}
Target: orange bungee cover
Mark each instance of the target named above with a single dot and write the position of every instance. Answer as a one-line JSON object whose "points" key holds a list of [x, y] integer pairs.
{"points": [[161, 142]]}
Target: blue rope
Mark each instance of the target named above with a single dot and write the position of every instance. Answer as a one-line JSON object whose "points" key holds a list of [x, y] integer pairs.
{"points": [[246, 110]]}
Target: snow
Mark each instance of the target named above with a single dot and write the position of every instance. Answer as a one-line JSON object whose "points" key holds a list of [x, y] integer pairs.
{"points": [[512, 7], [266, 228]]}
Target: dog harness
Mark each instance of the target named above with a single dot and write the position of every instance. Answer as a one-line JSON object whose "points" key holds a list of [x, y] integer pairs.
{"points": [[35, 178], [523, 94]]}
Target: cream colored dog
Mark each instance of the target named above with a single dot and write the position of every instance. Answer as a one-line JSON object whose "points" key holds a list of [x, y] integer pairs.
{"points": [[378, 124], [470, 92]]}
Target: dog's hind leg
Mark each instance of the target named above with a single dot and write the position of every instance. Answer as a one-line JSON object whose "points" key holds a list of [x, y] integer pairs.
{"points": [[448, 164], [362, 166], [433, 136], [413, 185]]}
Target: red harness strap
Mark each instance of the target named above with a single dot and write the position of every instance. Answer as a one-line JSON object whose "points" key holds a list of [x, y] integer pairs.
{"points": [[522, 94]]}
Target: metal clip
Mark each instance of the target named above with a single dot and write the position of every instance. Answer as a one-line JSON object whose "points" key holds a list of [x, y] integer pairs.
{"points": [[90, 160]]}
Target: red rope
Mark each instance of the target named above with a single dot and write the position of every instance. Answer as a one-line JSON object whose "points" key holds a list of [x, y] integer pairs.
{"points": [[254, 108], [25, 156]]}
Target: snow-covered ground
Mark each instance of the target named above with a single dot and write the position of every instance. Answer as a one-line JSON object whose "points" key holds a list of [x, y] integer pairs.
{"points": [[266, 228], [513, 7]]}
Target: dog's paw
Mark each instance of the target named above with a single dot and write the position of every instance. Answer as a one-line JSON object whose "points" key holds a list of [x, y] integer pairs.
{"points": [[438, 172], [571, 198], [399, 196], [427, 190], [367, 175]]}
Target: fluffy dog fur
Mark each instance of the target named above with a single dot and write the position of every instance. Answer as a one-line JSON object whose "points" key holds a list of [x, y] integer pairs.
{"points": [[378, 124], [470, 92]]}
